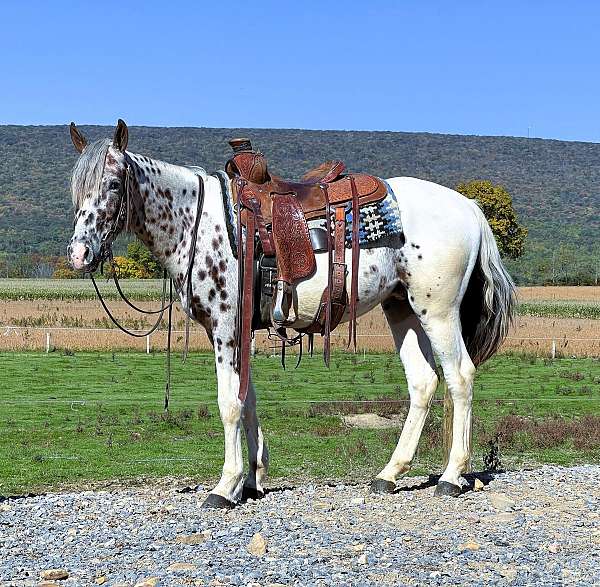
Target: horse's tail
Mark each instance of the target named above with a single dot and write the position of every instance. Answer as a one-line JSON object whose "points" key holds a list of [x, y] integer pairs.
{"points": [[488, 306]]}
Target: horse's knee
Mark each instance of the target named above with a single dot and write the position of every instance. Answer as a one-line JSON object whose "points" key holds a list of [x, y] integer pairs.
{"points": [[467, 369], [422, 390], [230, 410], [460, 380]]}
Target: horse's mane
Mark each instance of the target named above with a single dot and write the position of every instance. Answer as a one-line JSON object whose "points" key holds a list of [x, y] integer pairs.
{"points": [[87, 173]]}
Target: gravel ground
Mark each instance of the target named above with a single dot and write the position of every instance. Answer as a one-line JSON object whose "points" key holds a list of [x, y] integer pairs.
{"points": [[535, 527]]}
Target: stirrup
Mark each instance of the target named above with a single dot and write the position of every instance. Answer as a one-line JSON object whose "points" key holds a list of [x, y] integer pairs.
{"points": [[283, 301]]}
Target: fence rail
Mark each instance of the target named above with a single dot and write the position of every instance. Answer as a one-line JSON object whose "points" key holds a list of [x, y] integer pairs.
{"points": [[47, 338]]}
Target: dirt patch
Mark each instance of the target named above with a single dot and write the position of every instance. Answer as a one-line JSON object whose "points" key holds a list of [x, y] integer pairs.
{"points": [[372, 421]]}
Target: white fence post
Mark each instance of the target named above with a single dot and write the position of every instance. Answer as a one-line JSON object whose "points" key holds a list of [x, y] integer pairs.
{"points": [[47, 342], [253, 346], [147, 344], [553, 349]]}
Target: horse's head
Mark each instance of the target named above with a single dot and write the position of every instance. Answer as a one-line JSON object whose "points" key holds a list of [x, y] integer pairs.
{"points": [[99, 190]]}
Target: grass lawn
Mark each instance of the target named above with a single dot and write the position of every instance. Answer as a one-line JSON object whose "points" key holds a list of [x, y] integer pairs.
{"points": [[91, 416]]}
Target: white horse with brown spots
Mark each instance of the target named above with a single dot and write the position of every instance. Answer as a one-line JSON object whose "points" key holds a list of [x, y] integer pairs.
{"points": [[442, 286]]}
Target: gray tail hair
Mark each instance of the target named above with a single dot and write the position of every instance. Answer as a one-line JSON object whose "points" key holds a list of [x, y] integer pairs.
{"points": [[489, 304]]}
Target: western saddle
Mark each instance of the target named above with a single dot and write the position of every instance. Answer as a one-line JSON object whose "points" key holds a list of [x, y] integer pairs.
{"points": [[277, 249]]}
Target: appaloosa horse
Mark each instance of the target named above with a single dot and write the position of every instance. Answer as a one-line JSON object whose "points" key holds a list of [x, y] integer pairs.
{"points": [[442, 286]]}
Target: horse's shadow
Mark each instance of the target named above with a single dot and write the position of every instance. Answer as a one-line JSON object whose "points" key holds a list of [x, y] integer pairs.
{"points": [[486, 477], [7, 498]]}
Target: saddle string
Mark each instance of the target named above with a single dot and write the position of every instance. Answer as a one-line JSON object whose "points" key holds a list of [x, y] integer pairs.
{"points": [[328, 307], [355, 261]]}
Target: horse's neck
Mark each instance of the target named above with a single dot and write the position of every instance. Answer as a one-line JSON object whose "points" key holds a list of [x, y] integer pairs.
{"points": [[164, 199]]}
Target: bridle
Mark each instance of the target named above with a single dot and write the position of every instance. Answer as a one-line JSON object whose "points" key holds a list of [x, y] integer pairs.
{"points": [[105, 253]]}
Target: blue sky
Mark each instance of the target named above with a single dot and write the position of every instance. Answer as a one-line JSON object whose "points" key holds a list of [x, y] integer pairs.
{"points": [[466, 67]]}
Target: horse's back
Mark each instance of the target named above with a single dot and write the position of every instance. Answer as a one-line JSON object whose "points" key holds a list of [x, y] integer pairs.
{"points": [[430, 208]]}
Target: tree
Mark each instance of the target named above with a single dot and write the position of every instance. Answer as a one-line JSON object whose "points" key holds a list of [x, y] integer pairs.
{"points": [[127, 268], [497, 207], [63, 270], [140, 255]]}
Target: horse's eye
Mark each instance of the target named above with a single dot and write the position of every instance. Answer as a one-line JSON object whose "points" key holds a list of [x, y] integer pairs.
{"points": [[114, 186]]}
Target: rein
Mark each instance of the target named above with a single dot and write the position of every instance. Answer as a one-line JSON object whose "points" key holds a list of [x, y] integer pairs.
{"points": [[106, 254]]}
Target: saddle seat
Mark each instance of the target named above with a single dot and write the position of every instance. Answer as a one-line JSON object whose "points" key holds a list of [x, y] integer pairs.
{"points": [[277, 210]]}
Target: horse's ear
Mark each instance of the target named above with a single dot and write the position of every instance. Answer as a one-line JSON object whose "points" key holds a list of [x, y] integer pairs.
{"points": [[121, 136], [79, 141]]}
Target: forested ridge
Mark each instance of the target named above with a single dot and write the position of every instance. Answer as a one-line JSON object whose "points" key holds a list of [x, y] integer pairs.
{"points": [[555, 185]]}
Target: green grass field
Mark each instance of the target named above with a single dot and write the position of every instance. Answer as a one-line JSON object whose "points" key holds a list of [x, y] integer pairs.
{"points": [[78, 289], [93, 416], [561, 309]]}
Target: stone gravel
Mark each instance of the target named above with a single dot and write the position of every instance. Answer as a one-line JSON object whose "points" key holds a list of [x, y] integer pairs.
{"points": [[533, 527]]}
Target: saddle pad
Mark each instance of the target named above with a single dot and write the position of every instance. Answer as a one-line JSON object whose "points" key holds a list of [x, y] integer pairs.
{"points": [[377, 221]]}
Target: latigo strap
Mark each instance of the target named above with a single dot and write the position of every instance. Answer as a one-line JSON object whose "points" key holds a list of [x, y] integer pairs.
{"points": [[246, 261]]}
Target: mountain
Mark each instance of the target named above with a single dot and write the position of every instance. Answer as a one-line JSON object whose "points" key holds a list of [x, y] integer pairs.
{"points": [[555, 184]]}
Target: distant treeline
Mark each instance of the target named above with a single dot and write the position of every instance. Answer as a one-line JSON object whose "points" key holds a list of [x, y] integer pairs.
{"points": [[555, 185]]}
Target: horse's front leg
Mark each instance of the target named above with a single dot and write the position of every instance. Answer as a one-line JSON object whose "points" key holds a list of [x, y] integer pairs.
{"points": [[228, 490], [258, 455]]}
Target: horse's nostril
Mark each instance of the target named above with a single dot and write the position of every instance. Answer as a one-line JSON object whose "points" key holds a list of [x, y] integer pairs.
{"points": [[89, 255]]}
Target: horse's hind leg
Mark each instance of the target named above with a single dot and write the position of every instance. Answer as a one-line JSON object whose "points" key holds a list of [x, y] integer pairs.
{"points": [[444, 331], [419, 365], [258, 455]]}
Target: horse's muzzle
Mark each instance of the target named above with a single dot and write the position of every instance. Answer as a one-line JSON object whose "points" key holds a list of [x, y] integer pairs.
{"points": [[81, 257]]}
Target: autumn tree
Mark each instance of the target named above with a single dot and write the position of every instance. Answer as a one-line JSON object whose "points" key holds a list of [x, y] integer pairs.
{"points": [[62, 270], [497, 207], [140, 255]]}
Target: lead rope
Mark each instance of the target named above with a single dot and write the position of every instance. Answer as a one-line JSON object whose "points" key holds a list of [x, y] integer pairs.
{"points": [[168, 357], [192, 254], [126, 330], [169, 306]]}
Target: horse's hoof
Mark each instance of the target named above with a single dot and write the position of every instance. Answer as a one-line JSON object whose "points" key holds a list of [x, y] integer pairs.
{"points": [[443, 488], [252, 493], [382, 486], [217, 502]]}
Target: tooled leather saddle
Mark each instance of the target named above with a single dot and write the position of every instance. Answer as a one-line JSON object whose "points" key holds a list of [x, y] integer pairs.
{"points": [[274, 214]]}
